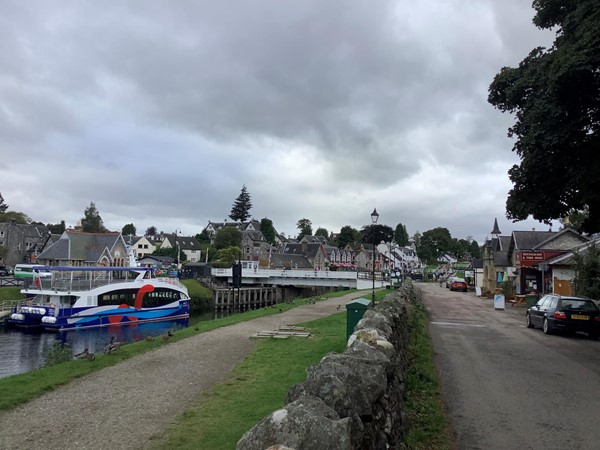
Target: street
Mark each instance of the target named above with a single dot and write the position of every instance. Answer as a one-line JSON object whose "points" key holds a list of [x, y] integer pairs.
{"points": [[507, 386]]}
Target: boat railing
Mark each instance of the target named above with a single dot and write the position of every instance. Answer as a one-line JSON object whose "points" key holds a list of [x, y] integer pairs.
{"points": [[83, 284]]}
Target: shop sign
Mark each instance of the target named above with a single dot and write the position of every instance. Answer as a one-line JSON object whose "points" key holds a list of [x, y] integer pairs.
{"points": [[532, 256]]}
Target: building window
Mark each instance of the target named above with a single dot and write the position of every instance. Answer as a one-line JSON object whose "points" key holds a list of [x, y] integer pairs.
{"points": [[145, 245], [1, 233]]}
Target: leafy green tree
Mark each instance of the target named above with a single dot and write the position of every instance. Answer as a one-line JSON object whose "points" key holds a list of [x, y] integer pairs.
{"points": [[151, 231], [474, 249], [228, 237], [347, 235], [434, 243], [240, 212], [268, 230], [322, 232], [92, 222], [3, 206], [555, 96], [401, 235], [18, 217], [228, 256], [305, 228], [203, 237], [128, 229], [587, 269], [377, 233], [57, 228]]}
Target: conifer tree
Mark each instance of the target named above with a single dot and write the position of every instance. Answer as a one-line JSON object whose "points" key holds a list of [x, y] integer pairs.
{"points": [[240, 212]]}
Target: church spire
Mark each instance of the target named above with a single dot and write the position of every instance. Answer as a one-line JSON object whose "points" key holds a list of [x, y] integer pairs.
{"points": [[496, 231]]}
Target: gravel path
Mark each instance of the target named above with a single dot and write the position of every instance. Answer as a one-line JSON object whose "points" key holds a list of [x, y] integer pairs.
{"points": [[120, 407]]}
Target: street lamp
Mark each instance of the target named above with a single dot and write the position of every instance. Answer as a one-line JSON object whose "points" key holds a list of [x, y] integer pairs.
{"points": [[374, 217]]}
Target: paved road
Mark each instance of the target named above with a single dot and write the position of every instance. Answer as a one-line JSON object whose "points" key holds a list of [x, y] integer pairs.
{"points": [[510, 387]]}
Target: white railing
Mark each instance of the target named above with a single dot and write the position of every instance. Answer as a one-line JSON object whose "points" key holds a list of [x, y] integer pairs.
{"points": [[278, 273]]}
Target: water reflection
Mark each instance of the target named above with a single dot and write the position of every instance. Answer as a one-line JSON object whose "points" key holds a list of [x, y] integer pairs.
{"points": [[23, 350]]}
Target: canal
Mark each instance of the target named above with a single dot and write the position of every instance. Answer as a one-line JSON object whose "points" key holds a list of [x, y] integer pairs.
{"points": [[22, 351]]}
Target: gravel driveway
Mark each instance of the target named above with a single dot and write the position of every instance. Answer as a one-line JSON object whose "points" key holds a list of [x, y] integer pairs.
{"points": [[120, 407]]}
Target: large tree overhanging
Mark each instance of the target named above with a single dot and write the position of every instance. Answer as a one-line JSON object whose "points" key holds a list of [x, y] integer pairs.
{"points": [[555, 96]]}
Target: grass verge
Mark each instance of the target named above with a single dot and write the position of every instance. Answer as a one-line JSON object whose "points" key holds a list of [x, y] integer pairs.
{"points": [[425, 406], [256, 388]]}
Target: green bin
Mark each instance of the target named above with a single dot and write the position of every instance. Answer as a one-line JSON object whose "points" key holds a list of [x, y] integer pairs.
{"points": [[531, 299], [355, 310]]}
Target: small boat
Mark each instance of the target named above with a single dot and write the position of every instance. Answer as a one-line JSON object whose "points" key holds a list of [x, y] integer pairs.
{"points": [[88, 297]]}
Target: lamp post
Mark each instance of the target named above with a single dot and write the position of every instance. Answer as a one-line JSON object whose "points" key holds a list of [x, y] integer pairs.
{"points": [[374, 217]]}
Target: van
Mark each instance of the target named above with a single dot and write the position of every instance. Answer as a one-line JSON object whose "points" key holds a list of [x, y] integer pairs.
{"points": [[30, 270]]}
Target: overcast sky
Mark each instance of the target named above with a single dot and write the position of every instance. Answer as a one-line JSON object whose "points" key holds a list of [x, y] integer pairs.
{"points": [[159, 112]]}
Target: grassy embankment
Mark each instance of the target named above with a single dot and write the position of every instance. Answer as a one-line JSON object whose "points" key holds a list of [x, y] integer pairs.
{"points": [[19, 389]]}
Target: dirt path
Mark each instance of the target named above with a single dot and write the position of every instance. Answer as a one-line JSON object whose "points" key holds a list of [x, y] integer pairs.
{"points": [[120, 407]]}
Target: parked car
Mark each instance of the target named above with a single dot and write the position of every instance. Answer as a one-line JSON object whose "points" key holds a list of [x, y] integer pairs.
{"points": [[5, 271], [458, 284], [449, 280], [556, 313]]}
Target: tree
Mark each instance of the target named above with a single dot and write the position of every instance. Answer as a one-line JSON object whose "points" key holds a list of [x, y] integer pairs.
{"points": [[474, 250], [128, 229], [241, 207], [377, 233], [92, 222], [58, 228], [322, 232], [228, 256], [268, 230], [587, 269], [18, 217], [3, 206], [305, 227], [401, 235], [203, 238], [348, 235], [228, 237], [555, 96], [151, 231], [434, 243]]}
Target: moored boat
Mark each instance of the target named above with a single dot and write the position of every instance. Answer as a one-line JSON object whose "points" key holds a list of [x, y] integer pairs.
{"points": [[87, 297]]}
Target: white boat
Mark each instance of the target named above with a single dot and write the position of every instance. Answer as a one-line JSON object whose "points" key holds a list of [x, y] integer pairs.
{"points": [[88, 297]]}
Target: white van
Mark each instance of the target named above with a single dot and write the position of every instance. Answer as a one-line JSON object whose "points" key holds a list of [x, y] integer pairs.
{"points": [[30, 270]]}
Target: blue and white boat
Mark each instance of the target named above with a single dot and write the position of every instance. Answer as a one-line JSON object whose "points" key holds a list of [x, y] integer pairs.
{"points": [[87, 297]]}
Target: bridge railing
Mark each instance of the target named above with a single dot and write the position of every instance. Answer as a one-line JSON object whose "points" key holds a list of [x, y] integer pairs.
{"points": [[278, 273]]}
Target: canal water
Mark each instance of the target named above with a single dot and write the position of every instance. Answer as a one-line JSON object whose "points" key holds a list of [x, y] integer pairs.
{"points": [[22, 351]]}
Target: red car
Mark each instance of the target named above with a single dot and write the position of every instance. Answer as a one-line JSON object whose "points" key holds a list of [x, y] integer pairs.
{"points": [[458, 284]]}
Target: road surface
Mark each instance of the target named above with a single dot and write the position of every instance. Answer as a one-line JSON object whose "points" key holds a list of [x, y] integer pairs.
{"points": [[510, 387]]}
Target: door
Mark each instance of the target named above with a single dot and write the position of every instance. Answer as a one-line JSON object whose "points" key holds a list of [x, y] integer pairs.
{"points": [[563, 287]]}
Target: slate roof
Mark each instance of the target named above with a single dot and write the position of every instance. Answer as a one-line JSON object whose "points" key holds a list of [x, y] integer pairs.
{"points": [[185, 242], [557, 235], [309, 250], [79, 246], [528, 240], [281, 260]]}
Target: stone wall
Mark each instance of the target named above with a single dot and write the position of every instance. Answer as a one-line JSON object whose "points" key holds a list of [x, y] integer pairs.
{"points": [[352, 400]]}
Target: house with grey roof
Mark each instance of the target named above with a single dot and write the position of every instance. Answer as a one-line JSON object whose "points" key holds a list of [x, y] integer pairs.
{"points": [[22, 243], [288, 261], [186, 244], [77, 248], [530, 253], [315, 253], [254, 245]]}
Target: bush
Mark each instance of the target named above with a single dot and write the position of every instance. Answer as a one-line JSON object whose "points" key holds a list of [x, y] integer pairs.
{"points": [[201, 297], [508, 289], [59, 353]]}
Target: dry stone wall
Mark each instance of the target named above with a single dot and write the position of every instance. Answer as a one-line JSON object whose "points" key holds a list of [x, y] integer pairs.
{"points": [[352, 400]]}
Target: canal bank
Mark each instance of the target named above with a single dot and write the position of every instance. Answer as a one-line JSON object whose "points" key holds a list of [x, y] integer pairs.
{"points": [[123, 405]]}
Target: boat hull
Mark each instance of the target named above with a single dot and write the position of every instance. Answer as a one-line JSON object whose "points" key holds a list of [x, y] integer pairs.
{"points": [[82, 318]]}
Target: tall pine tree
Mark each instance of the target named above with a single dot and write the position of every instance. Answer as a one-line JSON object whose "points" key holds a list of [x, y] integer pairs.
{"points": [[240, 212], [92, 222]]}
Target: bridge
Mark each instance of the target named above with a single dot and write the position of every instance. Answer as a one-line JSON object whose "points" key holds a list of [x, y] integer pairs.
{"points": [[254, 276]]}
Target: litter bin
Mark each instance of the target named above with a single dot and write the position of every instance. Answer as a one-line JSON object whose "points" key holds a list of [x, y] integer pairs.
{"points": [[355, 310], [530, 300]]}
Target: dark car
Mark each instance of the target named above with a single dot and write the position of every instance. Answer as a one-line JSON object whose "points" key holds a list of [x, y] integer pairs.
{"points": [[5, 271], [458, 284], [556, 313]]}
